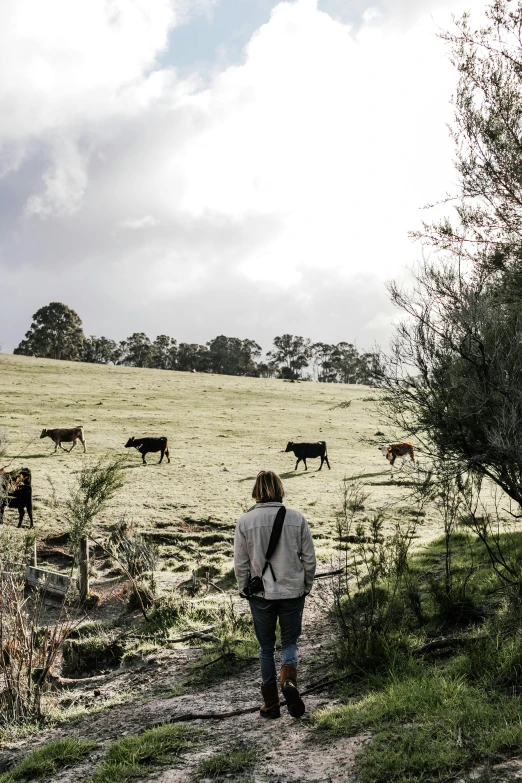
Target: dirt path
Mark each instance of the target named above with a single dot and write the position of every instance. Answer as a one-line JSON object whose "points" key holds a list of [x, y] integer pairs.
{"points": [[289, 751]]}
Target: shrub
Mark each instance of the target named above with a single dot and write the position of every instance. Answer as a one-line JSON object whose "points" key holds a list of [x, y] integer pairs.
{"points": [[29, 649], [140, 596], [92, 653], [166, 612]]}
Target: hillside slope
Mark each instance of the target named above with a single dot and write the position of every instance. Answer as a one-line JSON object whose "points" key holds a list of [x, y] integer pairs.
{"points": [[221, 431]]}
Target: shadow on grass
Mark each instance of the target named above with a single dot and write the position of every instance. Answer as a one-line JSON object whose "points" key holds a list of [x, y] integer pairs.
{"points": [[129, 466], [289, 475], [393, 483], [368, 475], [29, 456]]}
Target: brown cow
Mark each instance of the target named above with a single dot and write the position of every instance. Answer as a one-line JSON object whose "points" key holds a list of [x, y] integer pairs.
{"points": [[64, 435], [393, 450]]}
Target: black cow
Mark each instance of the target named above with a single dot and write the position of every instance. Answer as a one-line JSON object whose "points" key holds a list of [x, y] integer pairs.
{"points": [[16, 492], [144, 445], [304, 451]]}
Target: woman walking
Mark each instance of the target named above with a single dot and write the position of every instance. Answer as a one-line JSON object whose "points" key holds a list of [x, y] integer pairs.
{"points": [[274, 562]]}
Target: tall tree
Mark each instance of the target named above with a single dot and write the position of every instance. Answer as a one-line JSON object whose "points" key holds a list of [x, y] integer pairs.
{"points": [[232, 356], [348, 362], [164, 353], [99, 350], [193, 357], [136, 350], [372, 368], [292, 354], [455, 375], [56, 333], [325, 370]]}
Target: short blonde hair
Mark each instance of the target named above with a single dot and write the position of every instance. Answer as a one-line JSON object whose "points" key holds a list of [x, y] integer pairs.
{"points": [[268, 488]]}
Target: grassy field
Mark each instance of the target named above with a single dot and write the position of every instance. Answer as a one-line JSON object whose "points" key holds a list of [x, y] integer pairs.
{"points": [[221, 431], [416, 711]]}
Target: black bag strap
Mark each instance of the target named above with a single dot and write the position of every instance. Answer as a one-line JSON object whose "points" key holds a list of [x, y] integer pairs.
{"points": [[275, 535]]}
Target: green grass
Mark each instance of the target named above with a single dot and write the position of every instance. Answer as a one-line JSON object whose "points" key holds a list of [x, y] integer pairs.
{"points": [[133, 757], [436, 716], [223, 661], [228, 763], [44, 762], [428, 727]]}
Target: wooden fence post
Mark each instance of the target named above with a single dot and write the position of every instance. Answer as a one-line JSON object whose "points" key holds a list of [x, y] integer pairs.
{"points": [[84, 568]]}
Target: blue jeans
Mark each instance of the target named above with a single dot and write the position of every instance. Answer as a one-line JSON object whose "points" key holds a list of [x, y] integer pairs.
{"points": [[265, 614]]}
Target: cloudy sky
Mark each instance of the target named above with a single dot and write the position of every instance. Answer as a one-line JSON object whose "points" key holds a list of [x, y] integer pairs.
{"points": [[204, 167]]}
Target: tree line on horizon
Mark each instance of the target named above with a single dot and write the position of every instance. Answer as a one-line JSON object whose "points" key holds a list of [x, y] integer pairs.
{"points": [[56, 332]]}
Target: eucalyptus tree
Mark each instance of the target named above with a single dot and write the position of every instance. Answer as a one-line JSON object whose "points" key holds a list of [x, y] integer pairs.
{"points": [[292, 354], [55, 333]]}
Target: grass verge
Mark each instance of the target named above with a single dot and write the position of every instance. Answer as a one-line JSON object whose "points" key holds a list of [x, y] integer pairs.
{"points": [[135, 756], [436, 714], [46, 761]]}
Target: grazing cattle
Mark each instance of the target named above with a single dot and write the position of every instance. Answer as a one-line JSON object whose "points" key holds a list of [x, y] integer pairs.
{"points": [[304, 451], [65, 435], [16, 492], [393, 450], [144, 445]]}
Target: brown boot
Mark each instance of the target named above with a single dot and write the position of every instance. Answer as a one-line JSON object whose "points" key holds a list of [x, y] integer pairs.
{"points": [[270, 708], [289, 690]]}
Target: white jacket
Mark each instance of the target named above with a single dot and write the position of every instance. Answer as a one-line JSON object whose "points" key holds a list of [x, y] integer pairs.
{"points": [[293, 561]]}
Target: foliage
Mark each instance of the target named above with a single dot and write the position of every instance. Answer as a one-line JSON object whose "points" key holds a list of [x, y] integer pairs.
{"points": [[435, 715], [465, 402], [232, 356], [46, 761], [132, 550], [343, 363], [100, 350], [487, 131], [368, 595], [134, 756], [136, 350], [94, 488], [166, 613], [192, 357], [455, 375], [164, 353], [291, 354], [29, 649], [55, 333]]}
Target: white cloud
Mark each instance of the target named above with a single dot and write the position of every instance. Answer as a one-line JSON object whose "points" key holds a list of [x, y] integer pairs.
{"points": [[64, 182], [308, 162], [147, 221], [63, 61]]}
